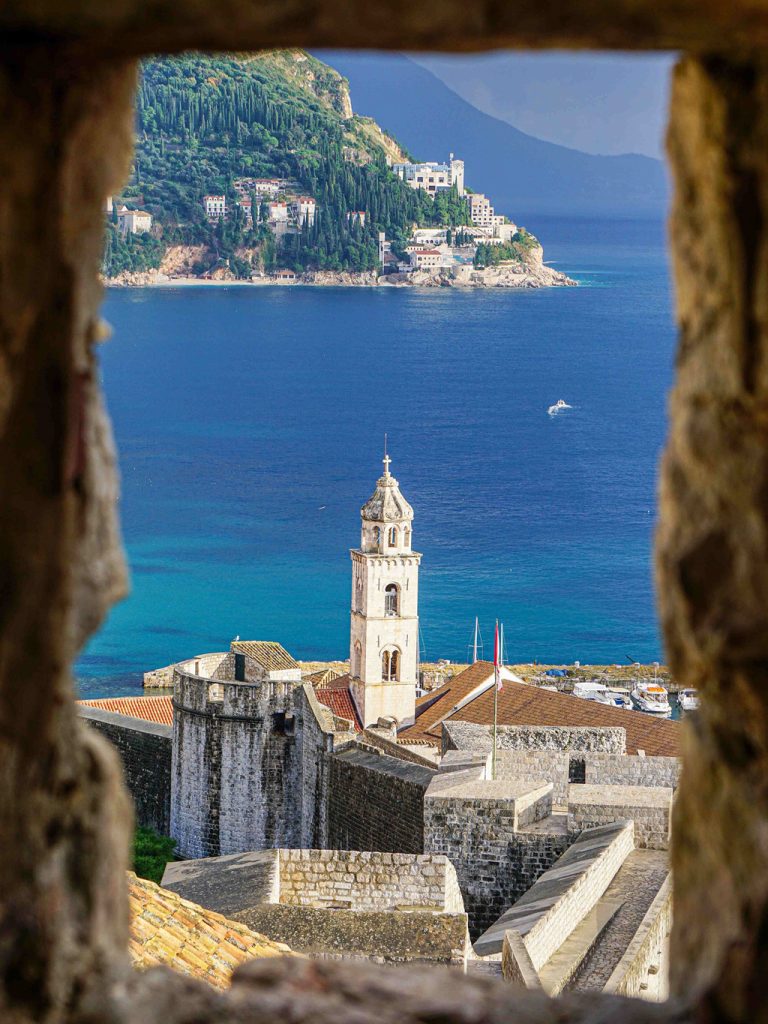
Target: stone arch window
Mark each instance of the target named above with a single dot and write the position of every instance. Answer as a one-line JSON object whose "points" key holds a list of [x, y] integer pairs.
{"points": [[392, 599], [390, 665], [393, 536], [377, 536], [357, 658], [407, 536]]}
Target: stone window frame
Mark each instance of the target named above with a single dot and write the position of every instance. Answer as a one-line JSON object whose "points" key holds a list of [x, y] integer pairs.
{"points": [[67, 78]]}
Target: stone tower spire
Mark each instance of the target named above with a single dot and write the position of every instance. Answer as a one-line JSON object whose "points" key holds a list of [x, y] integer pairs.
{"points": [[384, 632]]}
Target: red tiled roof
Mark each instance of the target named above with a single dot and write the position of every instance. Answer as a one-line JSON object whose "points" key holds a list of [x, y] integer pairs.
{"points": [[335, 695], [521, 704], [150, 709]]}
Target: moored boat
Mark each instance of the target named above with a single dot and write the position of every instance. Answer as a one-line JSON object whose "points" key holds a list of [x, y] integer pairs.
{"points": [[688, 700], [652, 698]]}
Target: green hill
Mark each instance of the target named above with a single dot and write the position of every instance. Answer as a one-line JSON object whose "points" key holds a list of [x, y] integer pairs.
{"points": [[206, 123]]}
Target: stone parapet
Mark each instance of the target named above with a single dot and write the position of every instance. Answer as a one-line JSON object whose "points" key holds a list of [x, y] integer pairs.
{"points": [[648, 807], [631, 770], [646, 951]]}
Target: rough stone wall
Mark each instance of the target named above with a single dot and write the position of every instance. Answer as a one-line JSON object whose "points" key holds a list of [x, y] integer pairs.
{"points": [[495, 864], [366, 880], [248, 767], [628, 770], [145, 754], [533, 766], [478, 738], [380, 936], [376, 802], [649, 809]]}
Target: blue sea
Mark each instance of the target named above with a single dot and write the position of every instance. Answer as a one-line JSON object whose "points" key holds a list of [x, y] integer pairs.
{"points": [[251, 421]]}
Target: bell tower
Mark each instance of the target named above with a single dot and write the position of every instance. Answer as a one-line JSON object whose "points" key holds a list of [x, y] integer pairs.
{"points": [[384, 633]]}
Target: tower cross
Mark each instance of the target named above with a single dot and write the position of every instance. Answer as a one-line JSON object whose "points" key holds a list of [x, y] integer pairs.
{"points": [[386, 460]]}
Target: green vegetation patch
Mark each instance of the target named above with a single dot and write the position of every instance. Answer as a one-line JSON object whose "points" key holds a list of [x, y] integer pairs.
{"points": [[151, 852]]}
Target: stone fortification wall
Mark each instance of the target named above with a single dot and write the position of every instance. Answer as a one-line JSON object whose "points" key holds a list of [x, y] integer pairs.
{"points": [[492, 834], [630, 770], [368, 881], [380, 936], [547, 914], [248, 763], [576, 739], [534, 765], [649, 808], [647, 949], [145, 753], [376, 802]]}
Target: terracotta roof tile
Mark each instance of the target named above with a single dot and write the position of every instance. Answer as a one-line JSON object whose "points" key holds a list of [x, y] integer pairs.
{"points": [[166, 929], [334, 693], [521, 704], [150, 709], [271, 655]]}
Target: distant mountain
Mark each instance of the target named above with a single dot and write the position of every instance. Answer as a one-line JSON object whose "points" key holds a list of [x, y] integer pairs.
{"points": [[523, 175]]}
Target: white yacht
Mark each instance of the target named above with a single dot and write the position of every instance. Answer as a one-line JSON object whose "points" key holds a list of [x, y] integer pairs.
{"points": [[553, 410], [688, 700], [651, 697], [602, 694]]}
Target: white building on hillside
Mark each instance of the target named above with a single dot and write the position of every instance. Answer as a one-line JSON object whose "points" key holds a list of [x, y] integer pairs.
{"points": [[133, 222], [303, 209], [384, 630], [432, 177], [480, 210], [215, 207]]}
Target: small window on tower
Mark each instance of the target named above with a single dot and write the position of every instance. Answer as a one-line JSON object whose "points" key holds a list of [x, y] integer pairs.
{"points": [[393, 537], [392, 599], [390, 666]]}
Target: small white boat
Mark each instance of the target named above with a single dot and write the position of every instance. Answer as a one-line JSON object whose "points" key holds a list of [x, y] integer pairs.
{"points": [[601, 694], [553, 410], [652, 698], [620, 698], [688, 700], [596, 692]]}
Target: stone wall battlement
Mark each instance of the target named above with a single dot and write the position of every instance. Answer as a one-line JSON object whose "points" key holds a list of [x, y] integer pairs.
{"points": [[363, 880]]}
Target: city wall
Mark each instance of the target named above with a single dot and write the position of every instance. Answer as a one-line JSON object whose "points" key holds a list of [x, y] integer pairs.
{"points": [[376, 802], [145, 752], [368, 881]]}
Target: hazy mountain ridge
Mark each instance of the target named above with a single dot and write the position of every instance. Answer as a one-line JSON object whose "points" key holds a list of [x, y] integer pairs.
{"points": [[523, 175]]}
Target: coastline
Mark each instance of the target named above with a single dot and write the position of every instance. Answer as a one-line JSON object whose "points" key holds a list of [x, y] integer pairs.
{"points": [[538, 275]]}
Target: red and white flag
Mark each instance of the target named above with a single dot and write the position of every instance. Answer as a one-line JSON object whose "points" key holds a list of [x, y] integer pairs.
{"points": [[497, 658]]}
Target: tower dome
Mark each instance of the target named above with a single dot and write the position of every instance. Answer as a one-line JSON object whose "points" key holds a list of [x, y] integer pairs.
{"points": [[386, 504]]}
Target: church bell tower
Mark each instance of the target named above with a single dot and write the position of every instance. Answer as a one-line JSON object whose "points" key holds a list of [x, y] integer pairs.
{"points": [[384, 634]]}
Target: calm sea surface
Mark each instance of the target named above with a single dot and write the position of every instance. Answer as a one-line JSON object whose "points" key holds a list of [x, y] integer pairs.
{"points": [[250, 424]]}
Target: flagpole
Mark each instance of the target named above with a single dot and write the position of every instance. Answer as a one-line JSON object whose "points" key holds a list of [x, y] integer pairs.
{"points": [[495, 698]]}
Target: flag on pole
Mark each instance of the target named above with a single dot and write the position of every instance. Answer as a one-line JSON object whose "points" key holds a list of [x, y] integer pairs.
{"points": [[497, 658]]}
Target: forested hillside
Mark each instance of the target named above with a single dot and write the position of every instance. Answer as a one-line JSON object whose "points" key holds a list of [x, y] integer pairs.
{"points": [[203, 122]]}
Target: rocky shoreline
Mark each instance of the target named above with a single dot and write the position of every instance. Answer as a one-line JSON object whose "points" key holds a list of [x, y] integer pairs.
{"points": [[533, 273], [462, 277]]}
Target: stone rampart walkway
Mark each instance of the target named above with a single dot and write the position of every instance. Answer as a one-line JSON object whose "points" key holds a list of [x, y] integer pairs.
{"points": [[636, 883]]}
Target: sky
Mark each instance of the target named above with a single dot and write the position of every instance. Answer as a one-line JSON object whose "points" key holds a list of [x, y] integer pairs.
{"points": [[599, 103]]}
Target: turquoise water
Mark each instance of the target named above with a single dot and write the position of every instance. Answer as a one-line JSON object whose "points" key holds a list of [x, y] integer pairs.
{"points": [[250, 424]]}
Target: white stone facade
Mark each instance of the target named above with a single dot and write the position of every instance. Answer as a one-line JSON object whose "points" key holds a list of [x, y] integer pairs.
{"points": [[215, 207], [133, 222], [432, 177], [384, 630]]}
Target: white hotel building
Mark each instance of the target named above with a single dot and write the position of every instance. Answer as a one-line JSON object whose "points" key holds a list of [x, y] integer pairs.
{"points": [[432, 177]]}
